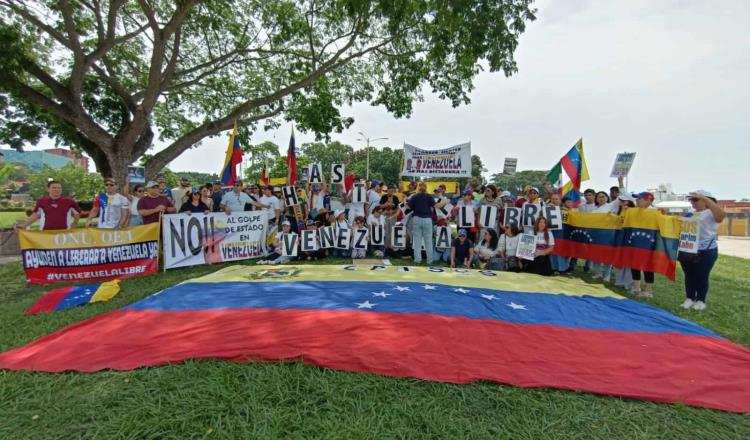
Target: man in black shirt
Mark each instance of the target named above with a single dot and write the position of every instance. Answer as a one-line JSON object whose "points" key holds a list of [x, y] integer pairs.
{"points": [[462, 250]]}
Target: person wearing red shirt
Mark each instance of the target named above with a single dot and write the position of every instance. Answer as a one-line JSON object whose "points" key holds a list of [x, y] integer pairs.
{"points": [[54, 210], [154, 204]]}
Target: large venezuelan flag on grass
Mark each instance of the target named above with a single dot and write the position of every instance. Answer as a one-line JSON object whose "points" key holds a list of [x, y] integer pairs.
{"points": [[643, 239], [433, 324]]}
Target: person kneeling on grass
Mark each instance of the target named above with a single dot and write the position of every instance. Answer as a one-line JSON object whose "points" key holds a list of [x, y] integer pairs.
{"points": [[276, 257], [462, 250]]}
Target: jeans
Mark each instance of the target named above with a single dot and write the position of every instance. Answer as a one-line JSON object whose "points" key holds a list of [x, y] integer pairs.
{"points": [[602, 269], [442, 254], [422, 233], [135, 220], [281, 259], [697, 274], [559, 263]]}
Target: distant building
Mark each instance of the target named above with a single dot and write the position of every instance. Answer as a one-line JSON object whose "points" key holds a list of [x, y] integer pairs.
{"points": [[35, 160], [82, 161]]}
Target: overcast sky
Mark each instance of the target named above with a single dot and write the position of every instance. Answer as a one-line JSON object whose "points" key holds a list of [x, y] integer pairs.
{"points": [[667, 79]]}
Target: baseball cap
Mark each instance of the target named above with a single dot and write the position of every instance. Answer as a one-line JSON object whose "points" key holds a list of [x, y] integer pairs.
{"points": [[195, 191], [374, 183], [505, 194], [462, 233], [310, 222], [184, 179], [217, 182], [468, 192], [151, 184], [645, 195], [704, 193], [626, 197], [533, 188], [286, 223], [337, 213]]}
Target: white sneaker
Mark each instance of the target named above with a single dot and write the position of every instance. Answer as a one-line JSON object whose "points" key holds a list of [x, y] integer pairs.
{"points": [[699, 305], [687, 304]]}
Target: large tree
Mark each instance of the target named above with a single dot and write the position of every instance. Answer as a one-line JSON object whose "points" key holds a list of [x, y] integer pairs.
{"points": [[107, 76]]}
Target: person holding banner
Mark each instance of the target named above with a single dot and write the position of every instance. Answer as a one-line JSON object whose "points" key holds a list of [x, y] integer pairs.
{"points": [[55, 210], [643, 200], [545, 244], [113, 208], [697, 268], [468, 200], [359, 224], [491, 199], [341, 223], [272, 205], [235, 200], [217, 193], [154, 204], [373, 196], [377, 219], [604, 206], [559, 263], [389, 198], [138, 192]]}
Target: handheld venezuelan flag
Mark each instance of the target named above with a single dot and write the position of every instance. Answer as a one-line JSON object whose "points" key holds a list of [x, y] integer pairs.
{"points": [[430, 323], [232, 158], [67, 297], [574, 166], [264, 180], [291, 161]]}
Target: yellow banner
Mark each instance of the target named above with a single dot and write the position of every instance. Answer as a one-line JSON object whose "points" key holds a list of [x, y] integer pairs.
{"points": [[277, 181], [87, 237]]}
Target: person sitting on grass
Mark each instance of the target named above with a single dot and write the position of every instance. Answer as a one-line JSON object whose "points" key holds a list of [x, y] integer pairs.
{"points": [[359, 223], [485, 252], [276, 257], [462, 250], [507, 247]]}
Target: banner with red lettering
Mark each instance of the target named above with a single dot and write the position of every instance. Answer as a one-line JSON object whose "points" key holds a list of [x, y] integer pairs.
{"points": [[448, 162], [89, 254]]}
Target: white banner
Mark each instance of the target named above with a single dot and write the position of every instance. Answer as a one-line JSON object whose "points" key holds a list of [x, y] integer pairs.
{"points": [[449, 162], [192, 239]]}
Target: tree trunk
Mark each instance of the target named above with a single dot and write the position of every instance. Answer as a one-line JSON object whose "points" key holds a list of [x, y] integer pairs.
{"points": [[117, 165]]}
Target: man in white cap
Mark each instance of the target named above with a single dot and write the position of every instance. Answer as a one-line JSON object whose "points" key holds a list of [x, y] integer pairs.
{"points": [[276, 257]]}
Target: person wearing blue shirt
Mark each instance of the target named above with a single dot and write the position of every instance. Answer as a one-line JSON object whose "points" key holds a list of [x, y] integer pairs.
{"points": [[234, 201]]}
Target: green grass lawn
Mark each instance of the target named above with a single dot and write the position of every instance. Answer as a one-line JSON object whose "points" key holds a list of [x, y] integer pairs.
{"points": [[9, 219], [216, 399]]}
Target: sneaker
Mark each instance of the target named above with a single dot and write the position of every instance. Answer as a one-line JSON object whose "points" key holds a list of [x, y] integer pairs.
{"points": [[597, 277], [699, 305], [645, 294], [687, 304]]}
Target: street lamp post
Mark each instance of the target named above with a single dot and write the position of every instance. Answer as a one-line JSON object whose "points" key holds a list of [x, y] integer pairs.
{"points": [[368, 140]]}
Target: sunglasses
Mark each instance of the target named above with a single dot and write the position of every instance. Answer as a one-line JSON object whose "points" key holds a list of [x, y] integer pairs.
{"points": [[109, 184], [237, 184], [693, 199], [139, 190]]}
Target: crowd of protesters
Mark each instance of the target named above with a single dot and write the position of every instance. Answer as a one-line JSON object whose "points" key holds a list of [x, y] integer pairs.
{"points": [[388, 205]]}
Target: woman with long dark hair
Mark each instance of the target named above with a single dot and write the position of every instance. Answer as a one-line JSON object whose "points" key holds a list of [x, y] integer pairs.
{"points": [[486, 251], [545, 244]]}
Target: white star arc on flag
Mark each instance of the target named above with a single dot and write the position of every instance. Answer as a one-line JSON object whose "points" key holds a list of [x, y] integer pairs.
{"points": [[515, 306], [402, 288], [365, 305], [381, 294]]}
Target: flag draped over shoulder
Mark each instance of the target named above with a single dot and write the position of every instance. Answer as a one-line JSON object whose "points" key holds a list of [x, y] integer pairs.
{"points": [[291, 161], [642, 239], [232, 158], [66, 297], [436, 324], [574, 166]]}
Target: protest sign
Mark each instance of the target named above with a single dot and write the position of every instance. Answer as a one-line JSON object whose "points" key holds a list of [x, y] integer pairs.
{"points": [[531, 212], [377, 235], [359, 194], [343, 237], [359, 240], [289, 244], [337, 173], [327, 237], [623, 163], [398, 237], [89, 254], [191, 239], [443, 237], [488, 216], [449, 162], [316, 173], [509, 167], [309, 240], [513, 216], [689, 235], [465, 217], [526, 247], [136, 175], [553, 214], [290, 195]]}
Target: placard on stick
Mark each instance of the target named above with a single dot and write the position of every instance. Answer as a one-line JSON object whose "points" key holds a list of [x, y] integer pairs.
{"points": [[316, 173], [290, 196]]}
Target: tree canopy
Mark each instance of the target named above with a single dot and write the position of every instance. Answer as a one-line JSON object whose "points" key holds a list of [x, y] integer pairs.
{"points": [[109, 77], [516, 183]]}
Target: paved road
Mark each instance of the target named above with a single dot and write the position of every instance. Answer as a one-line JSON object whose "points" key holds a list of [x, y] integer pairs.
{"points": [[735, 246]]}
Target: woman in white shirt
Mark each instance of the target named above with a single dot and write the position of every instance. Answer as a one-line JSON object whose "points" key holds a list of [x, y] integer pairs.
{"points": [[485, 252], [545, 244], [698, 268], [138, 191], [507, 247], [604, 206]]}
